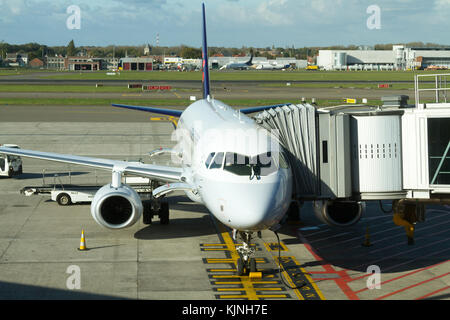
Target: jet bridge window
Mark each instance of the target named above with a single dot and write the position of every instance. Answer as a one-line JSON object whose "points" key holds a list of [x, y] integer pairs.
{"points": [[439, 150]]}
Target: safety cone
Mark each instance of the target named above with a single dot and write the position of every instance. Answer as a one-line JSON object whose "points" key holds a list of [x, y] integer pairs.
{"points": [[82, 242], [367, 239]]}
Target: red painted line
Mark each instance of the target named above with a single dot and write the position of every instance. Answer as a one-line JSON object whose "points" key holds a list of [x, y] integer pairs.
{"points": [[409, 261], [399, 277], [412, 286], [341, 281], [433, 293]]}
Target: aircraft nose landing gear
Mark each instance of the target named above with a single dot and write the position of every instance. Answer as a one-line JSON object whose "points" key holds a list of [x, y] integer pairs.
{"points": [[245, 263]]}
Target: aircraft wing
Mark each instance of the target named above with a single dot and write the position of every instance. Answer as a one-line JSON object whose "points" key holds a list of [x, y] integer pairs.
{"points": [[261, 108], [160, 173]]}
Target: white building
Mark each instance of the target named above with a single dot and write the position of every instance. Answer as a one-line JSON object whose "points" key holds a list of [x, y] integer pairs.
{"points": [[218, 62], [399, 58]]}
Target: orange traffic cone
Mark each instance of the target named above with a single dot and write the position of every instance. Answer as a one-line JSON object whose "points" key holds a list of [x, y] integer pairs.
{"points": [[82, 242]]}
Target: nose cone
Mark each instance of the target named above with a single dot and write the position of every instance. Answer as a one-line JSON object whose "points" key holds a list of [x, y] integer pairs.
{"points": [[251, 206], [254, 208]]}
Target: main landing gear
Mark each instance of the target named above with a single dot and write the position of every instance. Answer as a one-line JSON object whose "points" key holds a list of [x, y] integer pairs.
{"points": [[245, 263]]}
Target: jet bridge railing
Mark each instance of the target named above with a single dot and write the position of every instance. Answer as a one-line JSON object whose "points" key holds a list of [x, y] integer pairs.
{"points": [[440, 82]]}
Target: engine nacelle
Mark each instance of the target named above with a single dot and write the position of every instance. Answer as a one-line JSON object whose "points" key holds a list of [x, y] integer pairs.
{"points": [[338, 213], [116, 208]]}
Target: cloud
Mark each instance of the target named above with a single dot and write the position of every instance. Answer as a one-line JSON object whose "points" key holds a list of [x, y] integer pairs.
{"points": [[231, 22]]}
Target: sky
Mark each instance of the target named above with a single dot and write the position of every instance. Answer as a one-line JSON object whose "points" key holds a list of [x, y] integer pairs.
{"points": [[231, 23]]}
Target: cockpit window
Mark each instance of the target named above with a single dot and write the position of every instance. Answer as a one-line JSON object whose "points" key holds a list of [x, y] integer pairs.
{"points": [[218, 161], [214, 161], [264, 164], [237, 164], [209, 160], [257, 166]]}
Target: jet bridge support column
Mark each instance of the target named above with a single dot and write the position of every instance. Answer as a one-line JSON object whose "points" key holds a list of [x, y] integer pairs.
{"points": [[407, 214]]}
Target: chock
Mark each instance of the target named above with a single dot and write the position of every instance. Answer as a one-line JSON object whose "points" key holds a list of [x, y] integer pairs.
{"points": [[255, 275], [82, 242]]}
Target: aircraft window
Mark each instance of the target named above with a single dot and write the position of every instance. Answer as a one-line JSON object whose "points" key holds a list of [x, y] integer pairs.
{"points": [[218, 161], [209, 160]]}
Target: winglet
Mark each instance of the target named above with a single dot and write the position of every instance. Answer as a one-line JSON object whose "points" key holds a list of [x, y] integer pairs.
{"points": [[205, 76]]}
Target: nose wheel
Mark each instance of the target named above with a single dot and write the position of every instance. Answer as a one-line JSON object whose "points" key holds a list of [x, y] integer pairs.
{"points": [[245, 264]]}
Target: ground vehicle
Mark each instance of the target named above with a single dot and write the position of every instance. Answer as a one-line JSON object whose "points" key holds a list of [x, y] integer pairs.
{"points": [[312, 67], [10, 165]]}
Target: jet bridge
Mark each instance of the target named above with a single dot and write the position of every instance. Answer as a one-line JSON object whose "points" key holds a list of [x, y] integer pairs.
{"points": [[359, 153]]}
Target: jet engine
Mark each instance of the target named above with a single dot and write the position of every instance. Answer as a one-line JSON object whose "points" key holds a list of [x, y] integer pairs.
{"points": [[116, 208], [338, 213]]}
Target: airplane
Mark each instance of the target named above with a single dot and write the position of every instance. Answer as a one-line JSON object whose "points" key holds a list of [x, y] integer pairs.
{"points": [[237, 169], [271, 66], [239, 66]]}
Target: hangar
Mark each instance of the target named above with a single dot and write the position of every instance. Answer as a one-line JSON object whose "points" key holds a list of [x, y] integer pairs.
{"points": [[136, 64]]}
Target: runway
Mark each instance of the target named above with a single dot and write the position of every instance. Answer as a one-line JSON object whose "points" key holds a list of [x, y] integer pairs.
{"points": [[193, 257]]}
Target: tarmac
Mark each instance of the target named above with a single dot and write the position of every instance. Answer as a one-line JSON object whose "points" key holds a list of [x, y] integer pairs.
{"points": [[194, 256]]}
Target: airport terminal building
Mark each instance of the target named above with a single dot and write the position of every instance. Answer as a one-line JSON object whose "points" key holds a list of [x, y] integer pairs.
{"points": [[399, 58]]}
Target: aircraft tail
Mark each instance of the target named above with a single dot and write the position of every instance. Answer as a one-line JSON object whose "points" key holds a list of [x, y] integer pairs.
{"points": [[205, 65], [249, 62]]}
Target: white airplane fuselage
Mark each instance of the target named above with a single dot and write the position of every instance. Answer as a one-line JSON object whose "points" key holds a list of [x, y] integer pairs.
{"points": [[241, 200]]}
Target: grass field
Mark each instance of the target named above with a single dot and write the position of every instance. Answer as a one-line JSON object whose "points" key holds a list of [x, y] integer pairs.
{"points": [[20, 71], [250, 75], [65, 88]]}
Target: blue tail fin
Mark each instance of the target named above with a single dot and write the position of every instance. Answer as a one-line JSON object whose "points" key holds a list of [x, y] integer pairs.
{"points": [[205, 76]]}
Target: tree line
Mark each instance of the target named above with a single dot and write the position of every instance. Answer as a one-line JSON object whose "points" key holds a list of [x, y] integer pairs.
{"points": [[36, 50]]}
